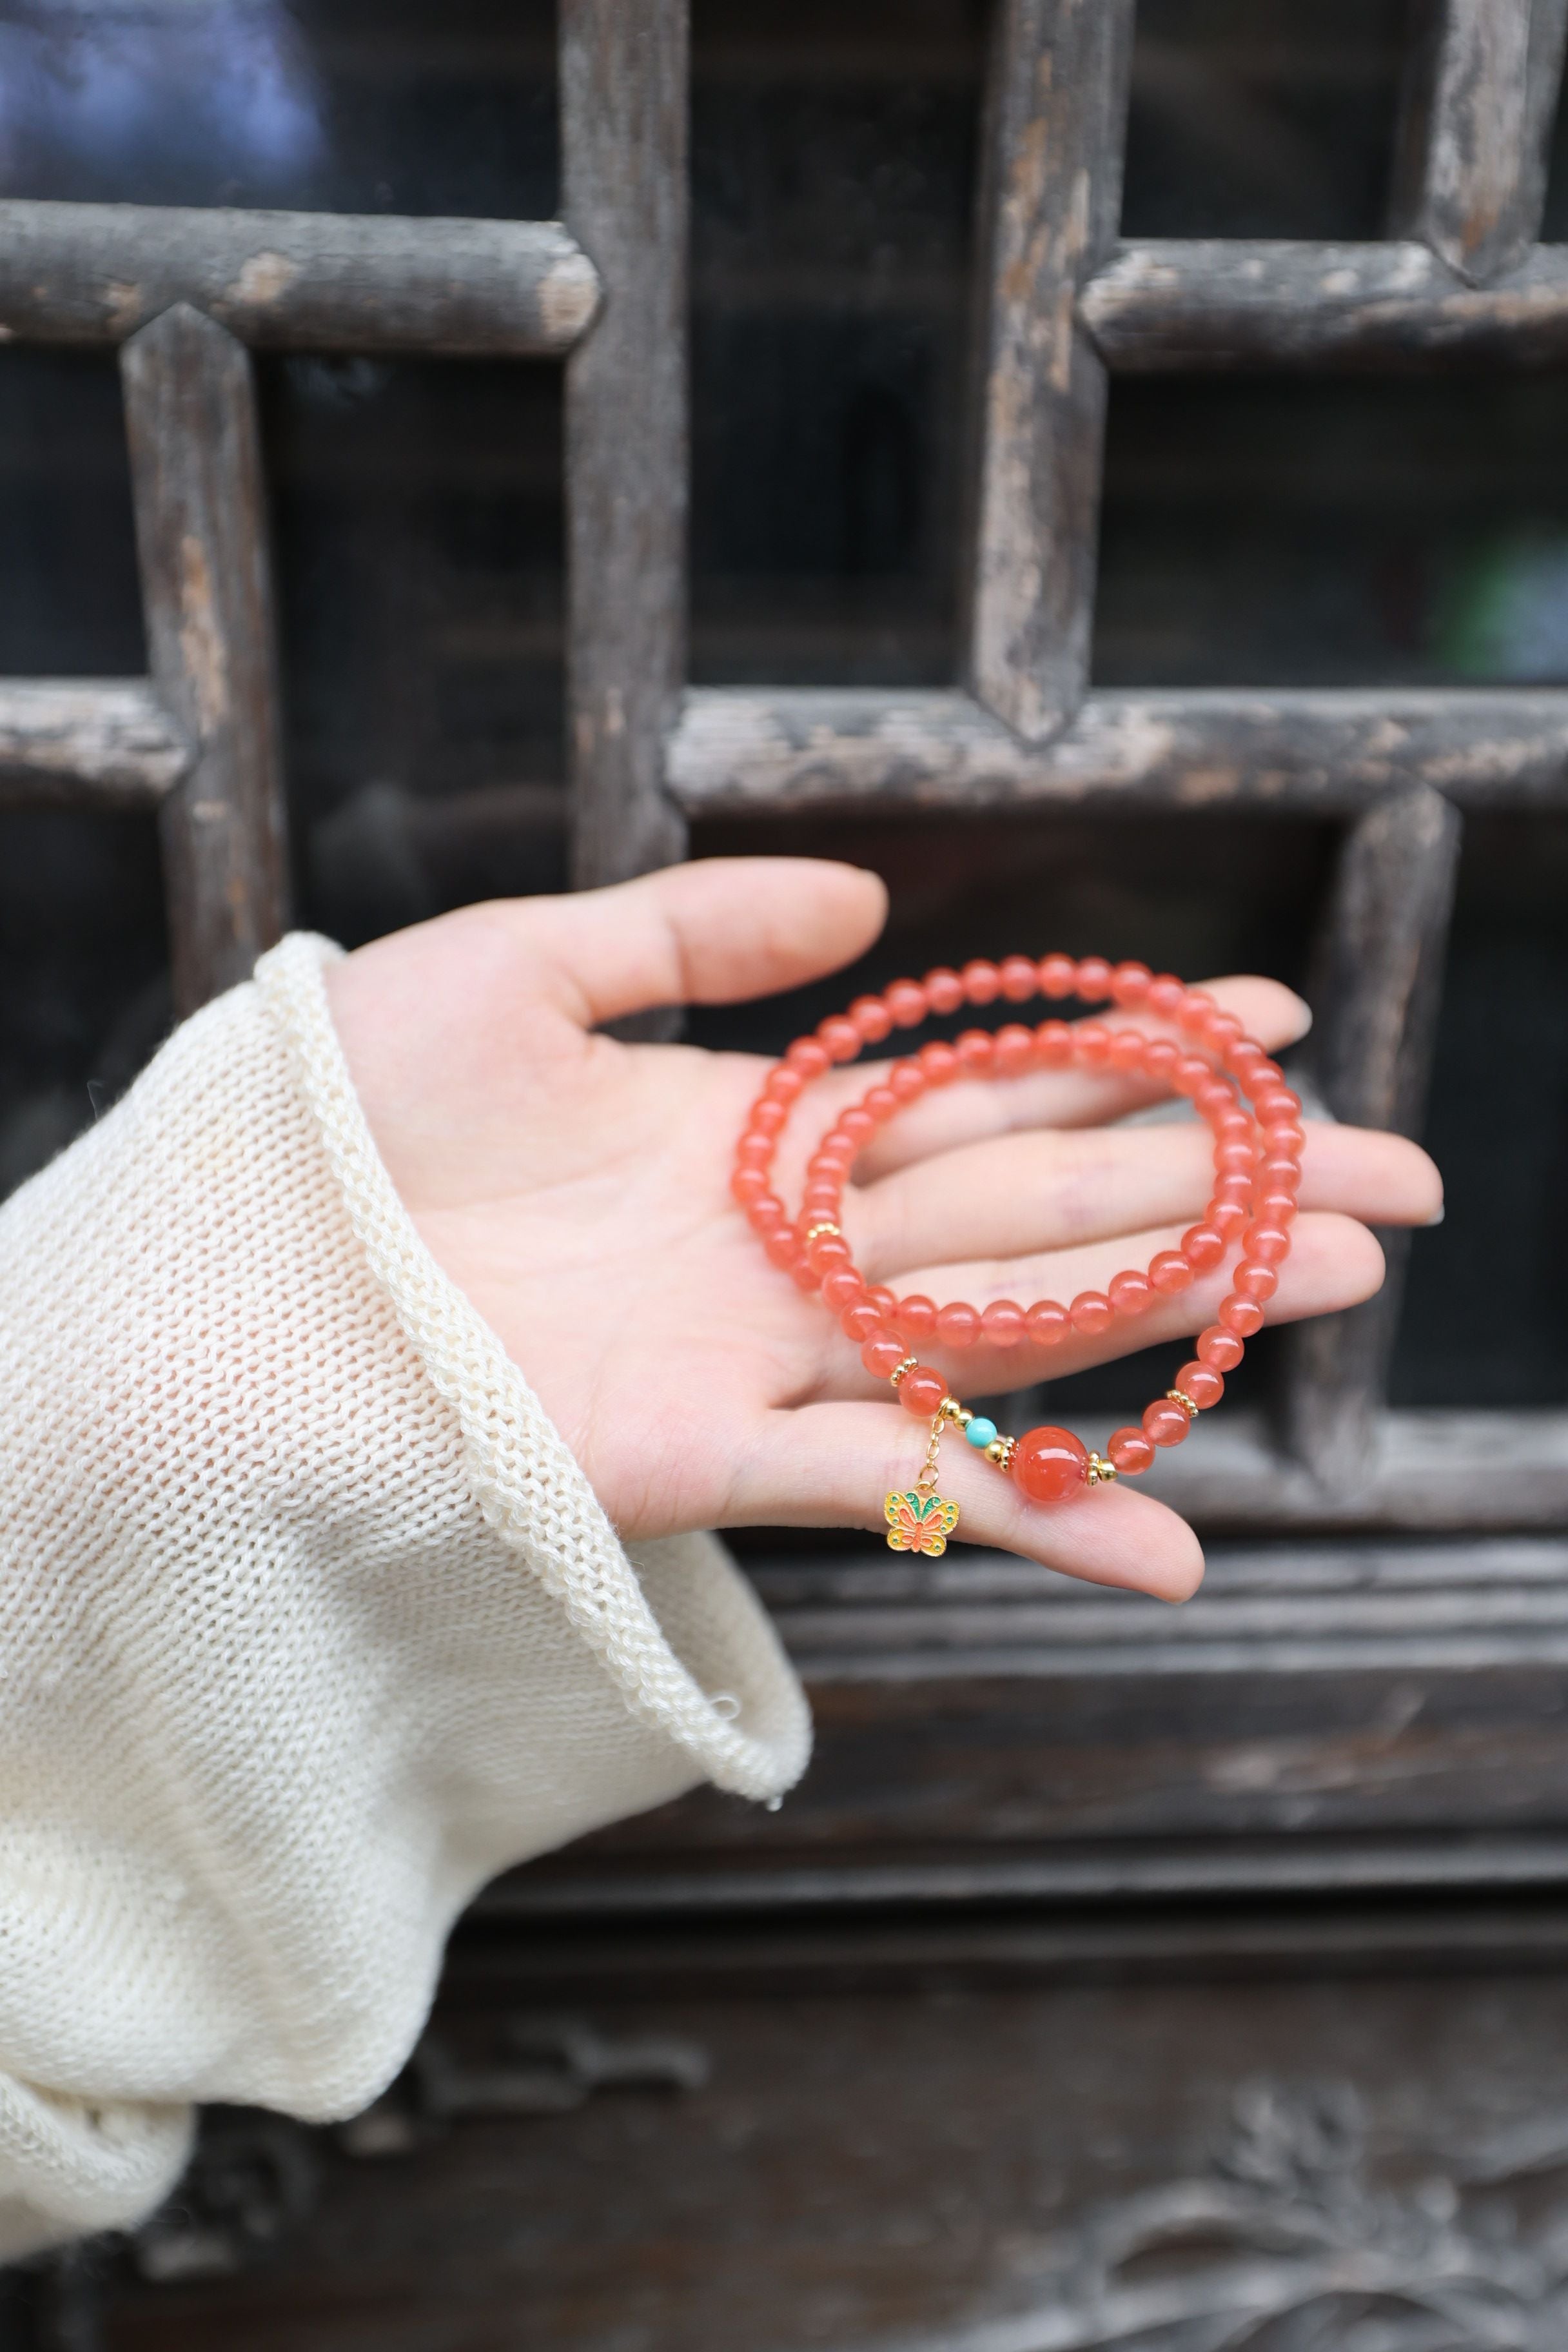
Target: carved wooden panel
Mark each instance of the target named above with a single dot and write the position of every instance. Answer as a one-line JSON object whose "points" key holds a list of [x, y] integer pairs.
{"points": [[918, 2166]]}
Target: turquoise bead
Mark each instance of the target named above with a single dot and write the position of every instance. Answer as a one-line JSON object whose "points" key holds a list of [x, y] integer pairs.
{"points": [[980, 1431]]}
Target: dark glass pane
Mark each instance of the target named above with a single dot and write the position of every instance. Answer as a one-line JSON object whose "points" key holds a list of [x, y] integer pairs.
{"points": [[1262, 118], [325, 105], [1354, 530], [69, 605], [1486, 1318], [83, 993], [1555, 214], [832, 165], [418, 528]]}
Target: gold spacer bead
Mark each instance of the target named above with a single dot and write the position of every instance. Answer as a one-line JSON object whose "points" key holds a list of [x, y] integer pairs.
{"points": [[1101, 1473], [951, 1409], [1001, 1451], [823, 1225], [896, 1374], [1180, 1396]]}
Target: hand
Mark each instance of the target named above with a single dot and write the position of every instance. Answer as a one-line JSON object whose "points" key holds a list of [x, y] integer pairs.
{"points": [[577, 1191]]}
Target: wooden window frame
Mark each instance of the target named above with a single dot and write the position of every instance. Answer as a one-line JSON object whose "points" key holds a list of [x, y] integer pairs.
{"points": [[186, 295]]}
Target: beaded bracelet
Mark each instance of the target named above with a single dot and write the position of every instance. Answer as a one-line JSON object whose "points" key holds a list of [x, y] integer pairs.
{"points": [[1257, 1173]]}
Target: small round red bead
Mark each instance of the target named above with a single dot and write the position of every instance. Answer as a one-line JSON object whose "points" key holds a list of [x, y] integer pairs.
{"points": [[1048, 1323], [1130, 1451], [940, 1064], [1015, 1050], [944, 990], [1131, 1293], [1002, 1323], [871, 1018], [1169, 1271], [1130, 983], [1202, 1383], [921, 1391], [1165, 1423]]}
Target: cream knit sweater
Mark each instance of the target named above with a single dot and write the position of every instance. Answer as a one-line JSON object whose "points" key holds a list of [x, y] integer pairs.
{"points": [[309, 1622]]}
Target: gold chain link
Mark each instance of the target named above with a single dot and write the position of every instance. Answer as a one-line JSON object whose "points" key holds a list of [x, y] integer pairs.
{"points": [[926, 1483]]}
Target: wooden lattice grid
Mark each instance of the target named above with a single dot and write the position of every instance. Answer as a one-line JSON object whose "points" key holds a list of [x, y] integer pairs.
{"points": [[186, 295]]}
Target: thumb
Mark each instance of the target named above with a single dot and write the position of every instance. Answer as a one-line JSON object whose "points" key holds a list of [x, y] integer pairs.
{"points": [[712, 932]]}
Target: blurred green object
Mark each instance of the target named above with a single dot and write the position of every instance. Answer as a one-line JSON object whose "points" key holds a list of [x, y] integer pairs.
{"points": [[1502, 611]]}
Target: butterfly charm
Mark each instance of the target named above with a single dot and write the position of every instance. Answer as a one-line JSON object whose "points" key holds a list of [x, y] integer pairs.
{"points": [[918, 1523]]}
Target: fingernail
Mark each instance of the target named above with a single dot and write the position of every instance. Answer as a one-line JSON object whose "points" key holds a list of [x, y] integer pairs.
{"points": [[1303, 1020], [1438, 1213]]}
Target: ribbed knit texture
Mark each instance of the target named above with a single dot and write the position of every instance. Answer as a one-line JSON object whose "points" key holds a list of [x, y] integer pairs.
{"points": [[309, 1622]]}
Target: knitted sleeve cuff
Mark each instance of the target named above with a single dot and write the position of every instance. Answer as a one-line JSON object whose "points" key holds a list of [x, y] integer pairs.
{"points": [[528, 1485]]}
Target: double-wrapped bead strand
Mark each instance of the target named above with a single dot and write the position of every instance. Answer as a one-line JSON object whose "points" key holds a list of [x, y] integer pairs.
{"points": [[1211, 1061]]}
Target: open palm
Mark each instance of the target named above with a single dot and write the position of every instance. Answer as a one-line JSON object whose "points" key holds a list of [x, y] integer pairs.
{"points": [[576, 1190]]}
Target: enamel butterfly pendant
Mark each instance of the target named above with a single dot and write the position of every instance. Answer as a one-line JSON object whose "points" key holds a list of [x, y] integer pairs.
{"points": [[917, 1522]]}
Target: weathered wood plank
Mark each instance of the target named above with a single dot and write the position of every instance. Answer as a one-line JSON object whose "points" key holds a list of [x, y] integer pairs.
{"points": [[1476, 130], [1051, 197], [1331, 1716], [1374, 996], [201, 537], [96, 743], [1156, 1941], [1211, 303], [740, 752], [1159, 1870], [1431, 1471], [622, 127], [293, 281]]}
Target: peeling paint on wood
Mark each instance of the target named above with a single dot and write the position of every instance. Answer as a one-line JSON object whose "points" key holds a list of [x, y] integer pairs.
{"points": [[1374, 995], [1051, 192], [294, 282], [92, 743], [202, 542], [1214, 302], [1476, 130], [623, 100], [738, 750]]}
